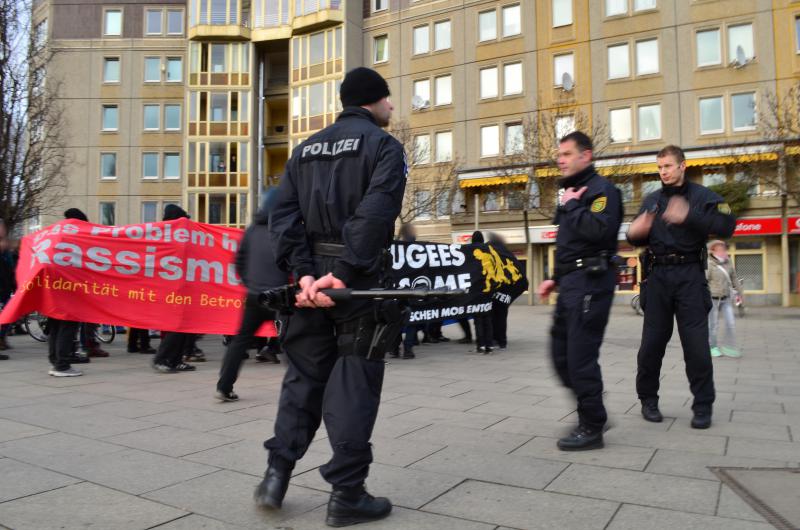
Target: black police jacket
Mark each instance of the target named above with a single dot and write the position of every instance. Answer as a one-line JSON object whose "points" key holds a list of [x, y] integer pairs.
{"points": [[589, 225], [255, 261], [708, 215], [343, 184]]}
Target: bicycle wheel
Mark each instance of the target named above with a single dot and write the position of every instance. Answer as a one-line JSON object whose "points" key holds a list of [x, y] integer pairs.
{"points": [[36, 325], [106, 333]]}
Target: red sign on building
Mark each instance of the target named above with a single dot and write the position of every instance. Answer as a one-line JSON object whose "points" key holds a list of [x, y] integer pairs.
{"points": [[763, 226]]}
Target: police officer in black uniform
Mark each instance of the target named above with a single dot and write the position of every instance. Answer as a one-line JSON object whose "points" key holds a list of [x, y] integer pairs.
{"points": [[588, 218], [675, 223], [331, 227]]}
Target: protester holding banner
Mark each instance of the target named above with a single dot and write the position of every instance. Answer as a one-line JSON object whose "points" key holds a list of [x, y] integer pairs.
{"points": [[174, 345], [499, 307], [338, 201], [483, 321], [255, 264], [588, 218]]}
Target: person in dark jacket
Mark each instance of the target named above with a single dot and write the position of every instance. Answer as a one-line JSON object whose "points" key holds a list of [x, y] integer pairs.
{"points": [[674, 223], [8, 283], [588, 217], [174, 345], [483, 321], [338, 202], [499, 309], [255, 264]]}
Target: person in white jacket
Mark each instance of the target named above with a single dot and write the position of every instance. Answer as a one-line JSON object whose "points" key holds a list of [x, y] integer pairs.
{"points": [[724, 287]]}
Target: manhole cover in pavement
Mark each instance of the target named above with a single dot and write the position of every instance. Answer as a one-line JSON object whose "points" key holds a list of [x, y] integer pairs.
{"points": [[772, 492]]}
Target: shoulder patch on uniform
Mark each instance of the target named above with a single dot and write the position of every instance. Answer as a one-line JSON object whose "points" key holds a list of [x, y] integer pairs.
{"points": [[599, 204], [723, 207]]}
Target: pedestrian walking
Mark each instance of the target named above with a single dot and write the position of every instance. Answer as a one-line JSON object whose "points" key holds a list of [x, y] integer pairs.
{"points": [[589, 215], [484, 334], [675, 223], [723, 284]]}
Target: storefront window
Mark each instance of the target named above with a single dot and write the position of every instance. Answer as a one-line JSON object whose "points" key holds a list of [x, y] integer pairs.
{"points": [[627, 270], [748, 258], [794, 266]]}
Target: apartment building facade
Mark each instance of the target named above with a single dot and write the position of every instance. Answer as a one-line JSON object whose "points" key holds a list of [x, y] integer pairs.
{"points": [[248, 80]]}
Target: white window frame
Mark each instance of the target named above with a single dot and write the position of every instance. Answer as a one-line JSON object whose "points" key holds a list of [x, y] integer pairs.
{"points": [[640, 9], [608, 14], [658, 57], [121, 22], [158, 165], [506, 67], [164, 165], [630, 125], [116, 166], [180, 116], [118, 60], [520, 148], [375, 49], [113, 209], [144, 69], [376, 8], [437, 155], [141, 212], [166, 69], [483, 128], [639, 125], [419, 83], [422, 156], [183, 21], [571, 17], [494, 36], [102, 116], [627, 47], [481, 87], [437, 101], [505, 9], [755, 111], [436, 46], [147, 12], [731, 49], [558, 79], [718, 31], [721, 113], [144, 117], [414, 42]]}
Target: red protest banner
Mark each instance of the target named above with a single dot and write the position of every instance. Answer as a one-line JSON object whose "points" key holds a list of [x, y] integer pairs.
{"points": [[172, 276]]}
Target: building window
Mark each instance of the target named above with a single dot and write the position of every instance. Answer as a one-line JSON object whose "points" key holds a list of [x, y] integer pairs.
{"points": [[621, 126], [797, 33], [649, 122], [713, 176], [512, 21], [422, 204], [172, 165], [219, 106], [514, 139], [174, 69], [151, 117], [711, 116], [174, 22], [563, 64], [150, 165], [444, 90], [741, 35], [421, 37], [487, 26], [563, 126], [111, 70], [153, 21], [444, 146], [110, 117], [562, 13], [512, 79], [380, 47], [441, 35], [108, 213], [218, 59], [422, 149], [149, 211], [422, 91], [443, 204], [490, 140], [172, 117], [618, 61], [616, 7], [708, 47], [108, 165], [152, 69], [647, 57], [112, 25], [380, 5], [743, 109], [642, 5], [488, 81], [316, 44]]}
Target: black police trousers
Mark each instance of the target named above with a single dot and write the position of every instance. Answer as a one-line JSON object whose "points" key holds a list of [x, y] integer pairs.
{"points": [[253, 317], [579, 322], [678, 292], [320, 384]]}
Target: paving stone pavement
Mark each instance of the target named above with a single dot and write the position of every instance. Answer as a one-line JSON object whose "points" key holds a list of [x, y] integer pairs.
{"points": [[463, 441]]}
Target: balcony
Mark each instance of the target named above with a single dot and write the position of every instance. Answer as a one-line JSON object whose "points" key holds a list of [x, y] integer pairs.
{"points": [[271, 20], [310, 15], [219, 19]]}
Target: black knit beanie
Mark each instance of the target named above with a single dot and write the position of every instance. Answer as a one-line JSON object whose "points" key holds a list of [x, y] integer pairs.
{"points": [[362, 86], [74, 213], [173, 211]]}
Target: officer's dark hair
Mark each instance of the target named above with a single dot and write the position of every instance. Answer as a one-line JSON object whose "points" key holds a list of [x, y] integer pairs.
{"points": [[673, 150], [582, 140]]}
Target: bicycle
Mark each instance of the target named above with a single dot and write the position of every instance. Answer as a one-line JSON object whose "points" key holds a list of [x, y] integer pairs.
{"points": [[35, 325]]}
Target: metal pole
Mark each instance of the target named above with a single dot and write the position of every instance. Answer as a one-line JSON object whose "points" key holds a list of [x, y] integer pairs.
{"points": [[785, 276], [477, 211]]}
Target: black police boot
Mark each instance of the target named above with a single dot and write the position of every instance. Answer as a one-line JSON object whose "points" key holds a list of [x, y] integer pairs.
{"points": [[650, 411], [582, 439], [701, 419], [272, 490], [348, 506]]}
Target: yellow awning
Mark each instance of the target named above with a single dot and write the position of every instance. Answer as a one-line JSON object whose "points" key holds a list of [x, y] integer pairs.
{"points": [[731, 159], [493, 181]]}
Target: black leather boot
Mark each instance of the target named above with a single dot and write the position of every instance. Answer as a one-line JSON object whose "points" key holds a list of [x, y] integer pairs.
{"points": [[650, 411], [701, 419], [582, 439], [272, 490], [348, 506]]}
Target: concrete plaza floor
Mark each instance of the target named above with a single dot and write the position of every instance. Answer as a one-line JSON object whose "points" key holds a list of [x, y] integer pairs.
{"points": [[462, 442]]}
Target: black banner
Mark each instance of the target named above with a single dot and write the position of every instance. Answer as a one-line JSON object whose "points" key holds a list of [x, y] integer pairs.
{"points": [[489, 273]]}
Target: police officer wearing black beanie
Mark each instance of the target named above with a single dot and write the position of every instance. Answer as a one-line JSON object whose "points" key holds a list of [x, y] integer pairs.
{"points": [[334, 219]]}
